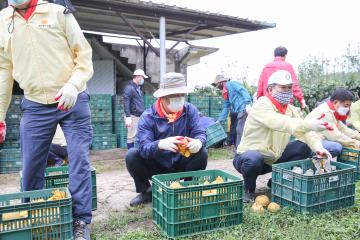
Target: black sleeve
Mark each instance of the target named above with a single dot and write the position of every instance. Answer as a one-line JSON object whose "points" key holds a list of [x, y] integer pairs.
{"points": [[127, 100]]}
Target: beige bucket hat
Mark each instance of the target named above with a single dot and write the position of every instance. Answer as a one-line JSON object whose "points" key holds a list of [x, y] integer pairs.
{"points": [[172, 83]]}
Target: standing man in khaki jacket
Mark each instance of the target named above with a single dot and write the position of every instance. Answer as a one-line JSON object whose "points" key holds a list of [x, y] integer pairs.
{"points": [[45, 51]]}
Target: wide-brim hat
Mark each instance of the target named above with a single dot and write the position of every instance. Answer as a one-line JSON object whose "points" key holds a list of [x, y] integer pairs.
{"points": [[140, 72], [172, 83], [218, 79]]}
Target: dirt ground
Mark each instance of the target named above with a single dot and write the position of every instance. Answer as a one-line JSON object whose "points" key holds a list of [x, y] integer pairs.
{"points": [[115, 187]]}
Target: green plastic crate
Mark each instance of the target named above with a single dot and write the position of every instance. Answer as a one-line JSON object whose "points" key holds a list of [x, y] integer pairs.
{"points": [[215, 134], [200, 101], [190, 210], [101, 115], [10, 143], [38, 220], [58, 177], [122, 141], [10, 161], [102, 127], [12, 131], [352, 157], [313, 194], [104, 141]]}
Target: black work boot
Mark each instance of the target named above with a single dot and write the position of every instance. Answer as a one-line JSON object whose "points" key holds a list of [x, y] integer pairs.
{"points": [[142, 198], [81, 231], [249, 196]]}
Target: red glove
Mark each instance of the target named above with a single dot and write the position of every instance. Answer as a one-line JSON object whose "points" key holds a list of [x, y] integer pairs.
{"points": [[2, 131]]}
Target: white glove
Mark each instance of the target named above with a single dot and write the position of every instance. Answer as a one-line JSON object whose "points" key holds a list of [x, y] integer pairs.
{"points": [[316, 124], [169, 144], [248, 108], [322, 152], [128, 122], [68, 96], [194, 145], [303, 104]]}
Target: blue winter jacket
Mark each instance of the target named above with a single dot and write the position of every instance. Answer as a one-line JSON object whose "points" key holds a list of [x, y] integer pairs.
{"points": [[152, 128], [239, 97]]}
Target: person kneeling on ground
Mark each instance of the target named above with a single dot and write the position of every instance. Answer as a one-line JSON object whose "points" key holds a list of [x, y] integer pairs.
{"points": [[58, 150], [335, 112], [267, 132], [161, 129]]}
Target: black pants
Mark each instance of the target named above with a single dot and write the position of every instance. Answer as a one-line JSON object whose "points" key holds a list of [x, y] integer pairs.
{"points": [[142, 169], [251, 163]]}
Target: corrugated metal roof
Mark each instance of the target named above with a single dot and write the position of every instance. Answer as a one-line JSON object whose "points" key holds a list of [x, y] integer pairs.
{"points": [[107, 16]]}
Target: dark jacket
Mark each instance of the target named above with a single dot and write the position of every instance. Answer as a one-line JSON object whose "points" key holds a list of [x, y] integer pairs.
{"points": [[153, 128], [133, 100]]}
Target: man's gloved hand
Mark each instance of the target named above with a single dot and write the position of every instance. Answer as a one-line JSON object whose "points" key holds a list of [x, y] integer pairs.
{"points": [[248, 108], [128, 122], [68, 96], [303, 104], [319, 125], [194, 145], [169, 143], [2, 131]]}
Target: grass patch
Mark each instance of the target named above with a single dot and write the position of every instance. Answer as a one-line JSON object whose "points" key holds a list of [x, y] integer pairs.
{"points": [[221, 153], [136, 224]]}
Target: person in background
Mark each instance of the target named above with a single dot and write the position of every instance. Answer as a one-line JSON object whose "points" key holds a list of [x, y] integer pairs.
{"points": [[58, 150], [335, 111], [237, 100], [163, 127], [267, 133], [133, 105], [44, 49], [355, 113], [279, 63]]}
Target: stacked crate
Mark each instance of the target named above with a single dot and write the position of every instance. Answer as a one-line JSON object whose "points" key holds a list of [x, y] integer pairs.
{"points": [[202, 103], [118, 121], [10, 154], [149, 100], [101, 118]]}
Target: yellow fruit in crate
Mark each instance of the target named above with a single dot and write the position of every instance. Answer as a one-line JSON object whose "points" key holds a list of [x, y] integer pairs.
{"points": [[257, 208], [57, 195], [175, 185], [218, 180], [263, 200], [273, 207], [14, 215]]}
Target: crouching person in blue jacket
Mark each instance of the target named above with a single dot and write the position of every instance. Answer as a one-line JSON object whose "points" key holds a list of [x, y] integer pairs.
{"points": [[160, 130]]}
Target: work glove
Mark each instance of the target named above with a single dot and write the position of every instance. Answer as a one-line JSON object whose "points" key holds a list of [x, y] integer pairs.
{"points": [[194, 145], [319, 125], [128, 122], [322, 161], [2, 131], [248, 108], [67, 96], [323, 153], [303, 104], [169, 144]]}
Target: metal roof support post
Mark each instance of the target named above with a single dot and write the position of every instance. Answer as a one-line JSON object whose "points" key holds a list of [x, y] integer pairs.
{"points": [[162, 32]]}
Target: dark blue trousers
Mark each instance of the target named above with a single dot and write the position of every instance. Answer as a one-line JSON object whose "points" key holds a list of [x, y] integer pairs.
{"points": [[37, 128], [57, 153]]}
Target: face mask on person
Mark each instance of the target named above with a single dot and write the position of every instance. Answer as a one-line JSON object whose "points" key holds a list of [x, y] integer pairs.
{"points": [[283, 97], [17, 3], [343, 110], [176, 104], [141, 81]]}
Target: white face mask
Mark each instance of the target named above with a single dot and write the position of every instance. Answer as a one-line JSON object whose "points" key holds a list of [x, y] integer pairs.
{"points": [[176, 104], [343, 111], [17, 3]]}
